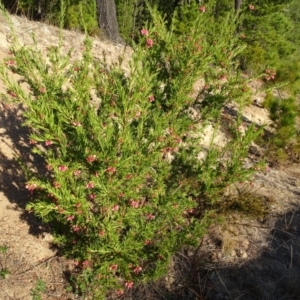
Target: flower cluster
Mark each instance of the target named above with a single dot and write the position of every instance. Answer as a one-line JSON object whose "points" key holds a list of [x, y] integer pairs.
{"points": [[202, 8], [270, 74], [149, 41]]}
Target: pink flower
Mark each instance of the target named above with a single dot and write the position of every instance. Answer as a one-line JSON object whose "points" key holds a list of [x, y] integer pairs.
{"points": [[43, 90], [202, 9], [113, 267], [48, 143], [251, 7], [120, 292], [129, 284], [56, 184], [10, 63], [151, 98], [49, 167], [134, 203], [111, 170], [76, 172], [76, 263], [70, 218], [91, 158], [30, 187], [77, 204], [75, 228], [137, 270], [101, 233], [32, 142], [270, 74], [138, 114], [115, 207], [85, 263], [63, 168], [149, 43], [167, 150], [128, 176], [90, 185], [150, 217], [144, 31], [76, 124], [92, 196]]}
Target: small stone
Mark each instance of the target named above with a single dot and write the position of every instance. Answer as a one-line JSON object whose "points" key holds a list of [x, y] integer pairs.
{"points": [[245, 244], [190, 253]]}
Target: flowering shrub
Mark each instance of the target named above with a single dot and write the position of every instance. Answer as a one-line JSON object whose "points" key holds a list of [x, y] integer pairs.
{"points": [[123, 187]]}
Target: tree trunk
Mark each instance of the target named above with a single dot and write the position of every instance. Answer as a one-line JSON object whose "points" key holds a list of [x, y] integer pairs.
{"points": [[107, 20], [237, 4]]}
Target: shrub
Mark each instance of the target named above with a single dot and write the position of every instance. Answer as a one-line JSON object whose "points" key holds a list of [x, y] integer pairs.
{"points": [[283, 112], [83, 16], [123, 186]]}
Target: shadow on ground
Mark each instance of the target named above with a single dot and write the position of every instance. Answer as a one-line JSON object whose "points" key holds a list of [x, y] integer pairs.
{"points": [[274, 275], [15, 157]]}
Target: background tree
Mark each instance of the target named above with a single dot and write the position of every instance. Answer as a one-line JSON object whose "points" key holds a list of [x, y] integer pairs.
{"points": [[107, 19]]}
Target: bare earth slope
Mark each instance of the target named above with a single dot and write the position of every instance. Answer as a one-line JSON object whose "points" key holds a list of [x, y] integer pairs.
{"points": [[243, 259]]}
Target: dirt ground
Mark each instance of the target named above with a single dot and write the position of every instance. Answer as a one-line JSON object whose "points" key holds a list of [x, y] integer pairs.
{"points": [[241, 258]]}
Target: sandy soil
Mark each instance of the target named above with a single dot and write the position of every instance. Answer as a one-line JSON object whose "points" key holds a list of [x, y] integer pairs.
{"points": [[242, 258]]}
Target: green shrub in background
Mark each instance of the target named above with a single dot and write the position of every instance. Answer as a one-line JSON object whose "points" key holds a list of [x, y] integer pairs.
{"points": [[80, 14], [265, 29], [124, 186], [283, 113], [289, 73], [83, 16], [184, 15]]}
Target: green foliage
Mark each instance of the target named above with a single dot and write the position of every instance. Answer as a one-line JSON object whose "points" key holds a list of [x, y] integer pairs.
{"points": [[288, 72], [244, 198], [3, 270], [134, 14], [40, 287], [124, 186], [184, 15], [254, 58], [82, 16], [3, 249], [266, 28], [284, 113]]}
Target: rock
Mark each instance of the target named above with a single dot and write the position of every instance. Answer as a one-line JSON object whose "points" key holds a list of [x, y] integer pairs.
{"points": [[245, 244]]}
